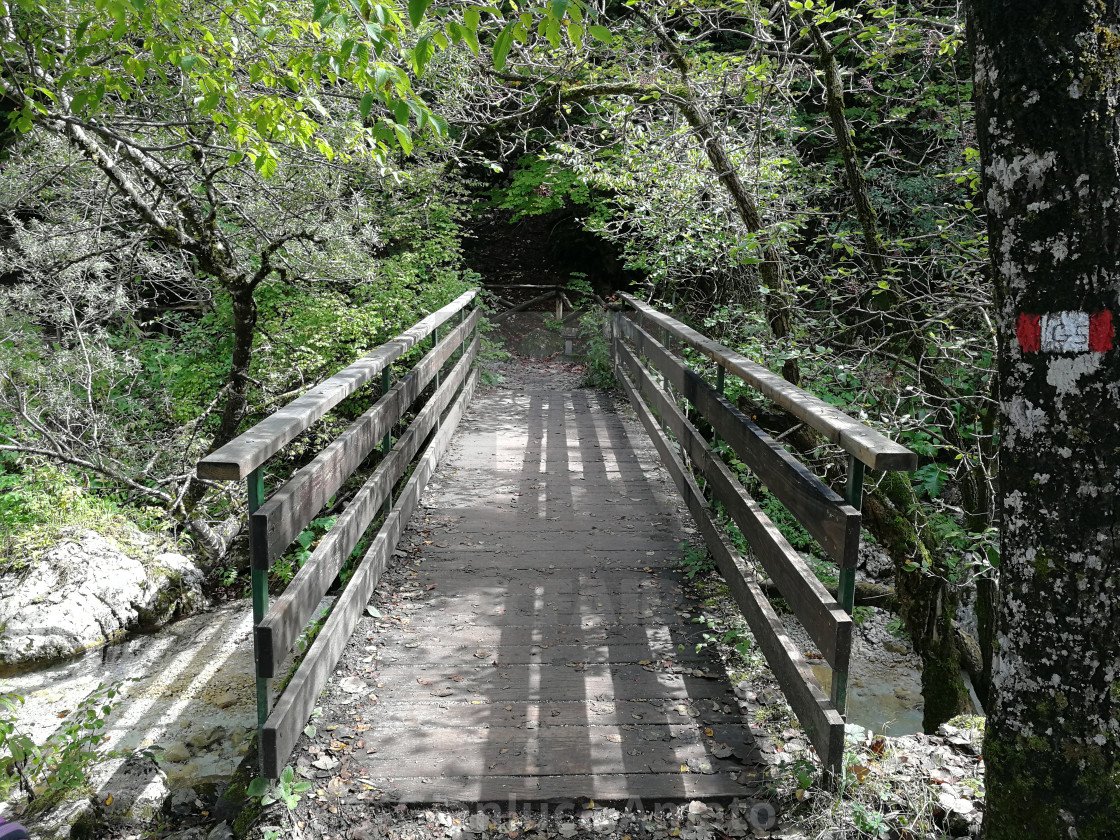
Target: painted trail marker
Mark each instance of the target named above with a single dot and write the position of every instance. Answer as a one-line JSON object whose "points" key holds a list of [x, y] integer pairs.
{"points": [[1066, 332]]}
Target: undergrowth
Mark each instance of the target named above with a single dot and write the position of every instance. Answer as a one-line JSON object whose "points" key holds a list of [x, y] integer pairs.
{"points": [[40, 503]]}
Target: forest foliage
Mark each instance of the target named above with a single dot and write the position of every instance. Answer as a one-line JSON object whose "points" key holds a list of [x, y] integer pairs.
{"points": [[206, 208]]}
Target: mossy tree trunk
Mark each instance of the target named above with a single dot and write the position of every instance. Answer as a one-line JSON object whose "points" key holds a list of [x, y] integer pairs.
{"points": [[926, 600], [1047, 89]]}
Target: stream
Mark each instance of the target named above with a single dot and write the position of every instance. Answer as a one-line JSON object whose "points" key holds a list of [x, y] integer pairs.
{"points": [[186, 692]]}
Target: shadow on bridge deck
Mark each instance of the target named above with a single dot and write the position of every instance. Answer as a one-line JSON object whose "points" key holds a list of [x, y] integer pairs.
{"points": [[534, 644]]}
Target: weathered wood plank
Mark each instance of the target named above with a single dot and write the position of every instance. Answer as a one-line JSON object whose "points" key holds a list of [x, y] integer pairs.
{"points": [[658, 637], [532, 682], [286, 619], [521, 307], [288, 511], [827, 624], [468, 616], [874, 449], [249, 450], [521, 543], [824, 725], [445, 657], [292, 710], [559, 562], [466, 715], [579, 750], [832, 522], [498, 792]]}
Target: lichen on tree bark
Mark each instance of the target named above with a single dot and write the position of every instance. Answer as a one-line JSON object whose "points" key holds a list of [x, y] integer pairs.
{"points": [[1047, 92]]}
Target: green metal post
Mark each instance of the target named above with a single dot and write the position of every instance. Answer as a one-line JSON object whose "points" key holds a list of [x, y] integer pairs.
{"points": [[721, 382], [387, 441], [846, 591], [435, 341], [255, 486]]}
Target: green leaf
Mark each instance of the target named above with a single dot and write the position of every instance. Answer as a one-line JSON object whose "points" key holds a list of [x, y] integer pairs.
{"points": [[257, 787], [404, 139], [575, 35], [286, 775], [552, 32], [319, 8], [416, 9], [346, 50], [471, 37], [501, 46], [422, 54], [80, 32], [187, 62], [601, 33], [559, 8], [365, 105], [401, 112], [266, 165]]}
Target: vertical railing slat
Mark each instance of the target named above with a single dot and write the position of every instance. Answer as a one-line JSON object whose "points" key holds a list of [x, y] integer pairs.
{"points": [[259, 586], [846, 590]]}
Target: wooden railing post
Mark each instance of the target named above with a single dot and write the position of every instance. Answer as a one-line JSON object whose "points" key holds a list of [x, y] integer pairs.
{"points": [[846, 589], [255, 487]]}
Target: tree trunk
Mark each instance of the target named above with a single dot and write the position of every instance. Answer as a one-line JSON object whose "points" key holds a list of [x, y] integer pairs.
{"points": [[971, 475], [244, 331], [1047, 88], [853, 170], [778, 305], [926, 601]]}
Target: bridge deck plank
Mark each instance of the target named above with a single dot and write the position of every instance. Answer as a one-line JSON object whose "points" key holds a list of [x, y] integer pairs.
{"points": [[534, 641]]}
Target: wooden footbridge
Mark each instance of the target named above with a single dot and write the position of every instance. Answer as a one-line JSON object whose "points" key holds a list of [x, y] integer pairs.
{"points": [[536, 645]]}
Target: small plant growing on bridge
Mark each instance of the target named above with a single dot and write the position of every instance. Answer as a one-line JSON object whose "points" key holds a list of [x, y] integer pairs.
{"points": [[695, 561], [598, 369]]}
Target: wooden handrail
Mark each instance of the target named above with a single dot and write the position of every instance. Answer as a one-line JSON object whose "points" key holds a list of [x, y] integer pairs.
{"points": [[869, 446], [278, 630], [823, 723], [834, 524], [828, 625], [293, 506], [249, 450]]}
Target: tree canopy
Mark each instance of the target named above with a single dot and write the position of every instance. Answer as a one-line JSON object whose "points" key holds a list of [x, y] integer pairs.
{"points": [[205, 207]]}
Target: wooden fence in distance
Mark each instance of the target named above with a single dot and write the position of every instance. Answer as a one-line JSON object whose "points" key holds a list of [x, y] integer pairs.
{"points": [[274, 523], [648, 369]]}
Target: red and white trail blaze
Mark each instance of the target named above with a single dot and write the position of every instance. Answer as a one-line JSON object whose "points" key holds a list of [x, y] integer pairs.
{"points": [[1066, 332]]}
